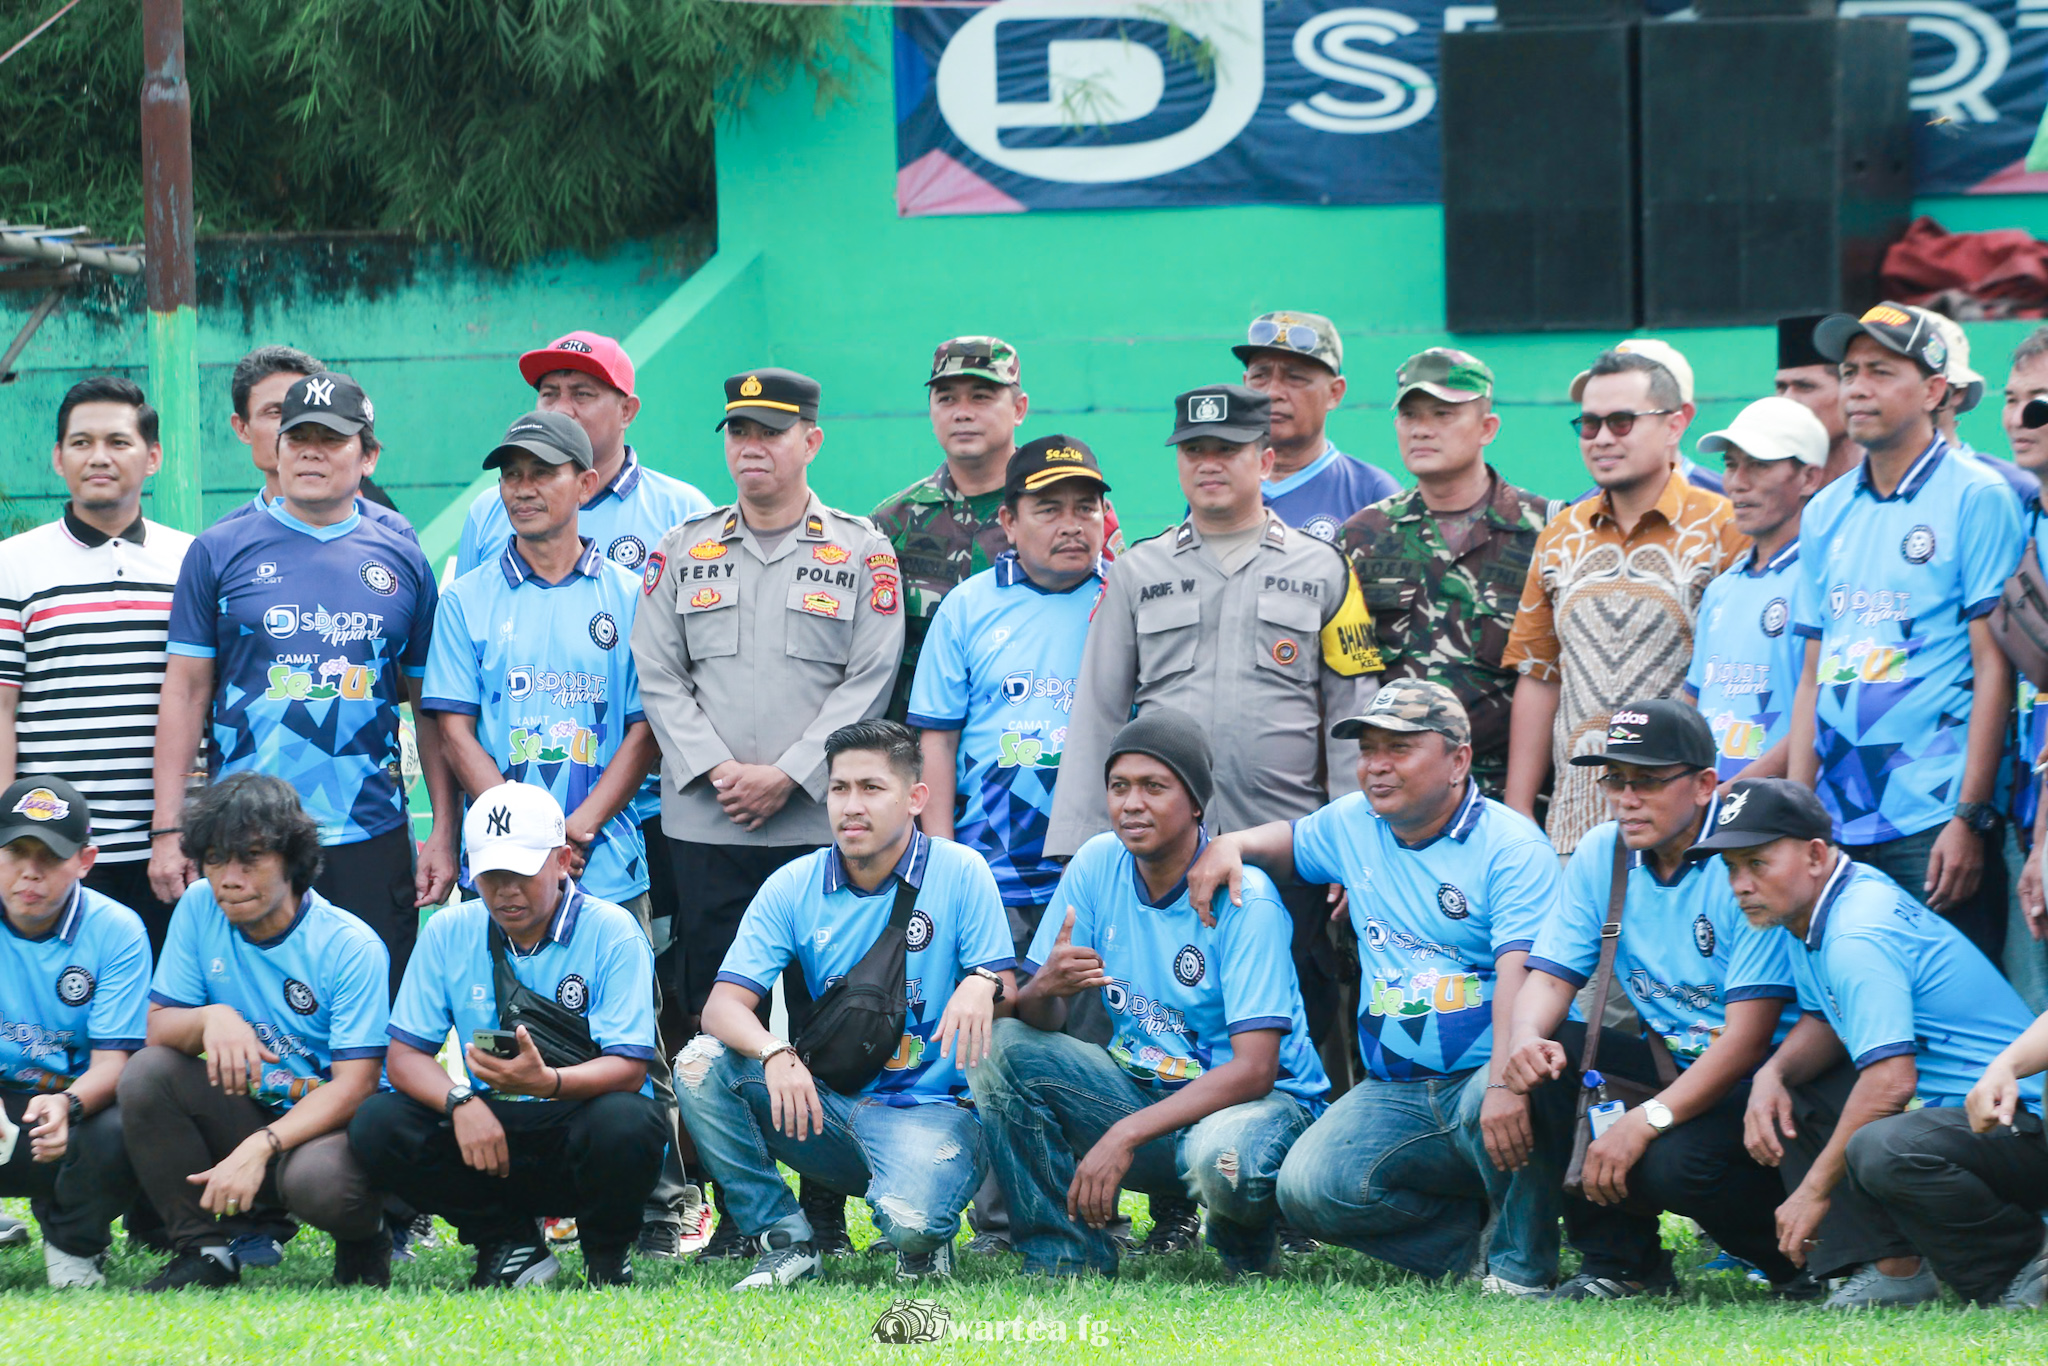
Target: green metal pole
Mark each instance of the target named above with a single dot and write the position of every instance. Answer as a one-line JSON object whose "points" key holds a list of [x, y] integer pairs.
{"points": [[167, 226]]}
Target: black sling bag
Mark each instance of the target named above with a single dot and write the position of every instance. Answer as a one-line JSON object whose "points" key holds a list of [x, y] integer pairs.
{"points": [[561, 1035], [857, 1025]]}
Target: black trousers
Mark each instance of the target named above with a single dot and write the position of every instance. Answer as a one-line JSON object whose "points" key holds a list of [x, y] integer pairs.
{"points": [[1326, 965], [592, 1160], [1699, 1169], [128, 883], [76, 1198], [1971, 1203], [1857, 1228], [372, 879], [715, 885]]}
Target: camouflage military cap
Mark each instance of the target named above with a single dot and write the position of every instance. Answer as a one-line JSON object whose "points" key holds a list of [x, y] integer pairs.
{"points": [[1410, 704], [1451, 375], [989, 358], [1304, 334]]}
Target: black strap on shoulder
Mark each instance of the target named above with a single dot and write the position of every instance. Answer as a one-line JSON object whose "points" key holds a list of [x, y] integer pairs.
{"points": [[1603, 976]]}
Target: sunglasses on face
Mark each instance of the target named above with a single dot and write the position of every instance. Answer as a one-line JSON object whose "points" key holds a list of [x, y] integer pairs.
{"points": [[1300, 336], [1616, 783], [1588, 425]]}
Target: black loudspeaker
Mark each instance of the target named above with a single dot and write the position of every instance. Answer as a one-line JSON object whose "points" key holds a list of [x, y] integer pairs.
{"points": [[1777, 166], [1539, 179]]}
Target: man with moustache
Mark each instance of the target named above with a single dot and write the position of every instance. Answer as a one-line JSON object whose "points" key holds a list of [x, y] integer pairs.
{"points": [[1297, 361]]}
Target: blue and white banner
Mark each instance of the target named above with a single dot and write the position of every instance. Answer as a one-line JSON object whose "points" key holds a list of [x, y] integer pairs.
{"points": [[1089, 104]]}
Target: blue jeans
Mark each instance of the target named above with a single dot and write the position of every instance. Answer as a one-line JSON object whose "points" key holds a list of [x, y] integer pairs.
{"points": [[1398, 1170], [1047, 1098], [918, 1164]]}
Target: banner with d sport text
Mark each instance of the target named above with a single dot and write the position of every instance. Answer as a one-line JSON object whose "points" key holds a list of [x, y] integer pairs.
{"points": [[1090, 104]]}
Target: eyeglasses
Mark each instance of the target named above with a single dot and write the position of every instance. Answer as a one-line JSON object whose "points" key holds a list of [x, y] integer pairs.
{"points": [[1615, 783], [1587, 425], [1300, 336]]}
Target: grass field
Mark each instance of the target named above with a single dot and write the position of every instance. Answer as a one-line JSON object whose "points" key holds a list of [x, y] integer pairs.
{"points": [[1335, 1306]]}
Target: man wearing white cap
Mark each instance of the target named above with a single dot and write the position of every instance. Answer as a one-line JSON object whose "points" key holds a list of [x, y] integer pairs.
{"points": [[1745, 657], [552, 994], [1672, 359]]}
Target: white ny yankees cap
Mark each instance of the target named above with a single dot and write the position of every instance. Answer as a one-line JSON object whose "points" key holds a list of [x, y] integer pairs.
{"points": [[512, 828]]}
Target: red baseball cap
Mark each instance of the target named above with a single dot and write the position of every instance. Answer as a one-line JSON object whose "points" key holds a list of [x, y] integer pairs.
{"points": [[585, 351]]}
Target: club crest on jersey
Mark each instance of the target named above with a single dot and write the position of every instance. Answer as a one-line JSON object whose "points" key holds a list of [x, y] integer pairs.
{"points": [[882, 594], [1777, 615], [650, 579], [604, 632], [831, 554], [41, 804], [1452, 902], [299, 996], [626, 551], [708, 550], [378, 579], [821, 604], [75, 986], [1703, 935], [573, 994], [918, 933], [1918, 547], [706, 597], [1188, 965]]}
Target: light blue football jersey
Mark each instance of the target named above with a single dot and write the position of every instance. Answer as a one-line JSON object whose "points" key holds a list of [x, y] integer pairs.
{"points": [[83, 986], [1746, 658]]}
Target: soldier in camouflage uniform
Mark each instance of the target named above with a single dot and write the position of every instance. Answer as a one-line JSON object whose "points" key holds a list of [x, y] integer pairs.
{"points": [[944, 526], [1442, 565]]}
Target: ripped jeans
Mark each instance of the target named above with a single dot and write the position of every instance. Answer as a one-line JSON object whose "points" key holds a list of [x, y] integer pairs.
{"points": [[1048, 1098], [918, 1164]]}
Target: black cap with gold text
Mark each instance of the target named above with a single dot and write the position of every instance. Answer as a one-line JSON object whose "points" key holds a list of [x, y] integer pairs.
{"points": [[773, 398], [1040, 464]]}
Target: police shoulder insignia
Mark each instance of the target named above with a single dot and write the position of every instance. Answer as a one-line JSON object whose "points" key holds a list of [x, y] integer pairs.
{"points": [[650, 577], [708, 550], [883, 595], [881, 559], [814, 526], [1348, 647]]}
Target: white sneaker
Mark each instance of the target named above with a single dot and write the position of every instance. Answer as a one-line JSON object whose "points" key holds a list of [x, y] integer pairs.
{"points": [[13, 1232], [782, 1263], [1870, 1288], [695, 1215], [67, 1272], [1501, 1285]]}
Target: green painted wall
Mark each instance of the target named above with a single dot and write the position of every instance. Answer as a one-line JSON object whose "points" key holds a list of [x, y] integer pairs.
{"points": [[431, 334]]}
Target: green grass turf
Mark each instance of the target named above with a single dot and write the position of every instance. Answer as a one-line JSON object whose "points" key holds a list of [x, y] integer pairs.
{"points": [[1331, 1307]]}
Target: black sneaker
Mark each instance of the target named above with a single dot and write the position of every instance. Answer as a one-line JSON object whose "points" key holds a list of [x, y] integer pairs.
{"points": [[1293, 1241], [366, 1262], [604, 1267], [661, 1239], [1176, 1227], [194, 1270], [1801, 1288], [513, 1264], [989, 1244], [826, 1209], [1588, 1286], [727, 1243]]}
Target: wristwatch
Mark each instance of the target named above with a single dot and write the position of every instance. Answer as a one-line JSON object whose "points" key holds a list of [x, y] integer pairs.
{"points": [[457, 1095], [995, 979], [1981, 817], [1658, 1116]]}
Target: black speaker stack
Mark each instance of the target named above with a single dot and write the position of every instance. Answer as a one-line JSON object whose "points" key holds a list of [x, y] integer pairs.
{"points": [[1603, 172]]}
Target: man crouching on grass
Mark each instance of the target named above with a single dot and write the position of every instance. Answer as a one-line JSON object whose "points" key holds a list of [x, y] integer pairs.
{"points": [[573, 1130], [266, 1031], [905, 1137]]}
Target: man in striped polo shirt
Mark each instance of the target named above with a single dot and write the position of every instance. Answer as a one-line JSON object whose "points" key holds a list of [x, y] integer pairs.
{"points": [[85, 603]]}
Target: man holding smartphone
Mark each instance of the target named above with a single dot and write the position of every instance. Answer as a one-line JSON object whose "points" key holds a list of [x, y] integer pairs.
{"points": [[536, 1133]]}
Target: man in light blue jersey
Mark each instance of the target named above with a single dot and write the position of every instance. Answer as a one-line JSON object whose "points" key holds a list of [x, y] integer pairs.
{"points": [[1210, 1074], [1446, 890], [1904, 696], [558, 1115], [296, 634], [994, 687], [74, 993], [1297, 361], [266, 1031], [905, 1137], [1899, 1012], [1745, 656], [1711, 993], [257, 391]]}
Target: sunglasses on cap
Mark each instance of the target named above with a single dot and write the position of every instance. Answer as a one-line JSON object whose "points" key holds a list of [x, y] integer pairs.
{"points": [[1588, 425], [1299, 336]]}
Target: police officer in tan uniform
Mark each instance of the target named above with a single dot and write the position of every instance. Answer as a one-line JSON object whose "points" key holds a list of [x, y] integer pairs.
{"points": [[1258, 631], [766, 625]]}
